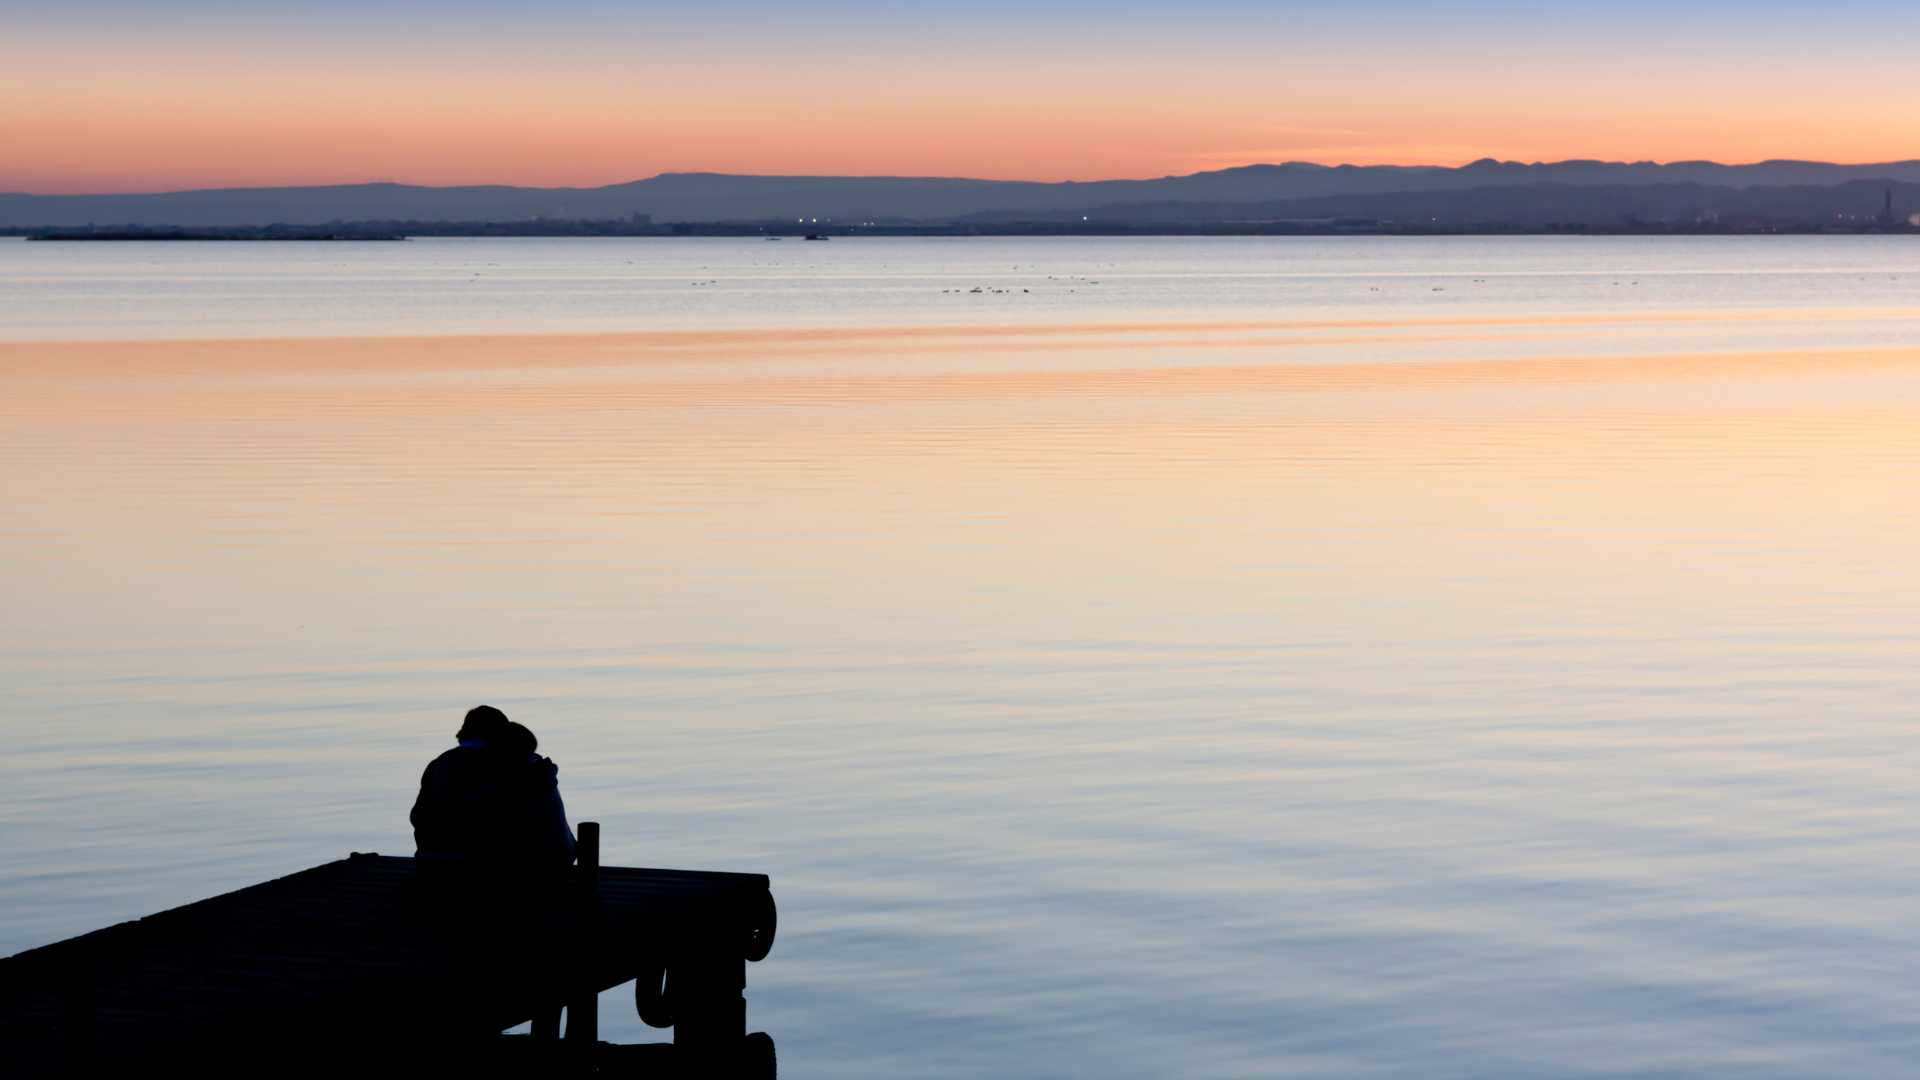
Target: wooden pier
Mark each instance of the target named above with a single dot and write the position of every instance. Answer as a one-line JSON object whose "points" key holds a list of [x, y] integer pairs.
{"points": [[378, 963]]}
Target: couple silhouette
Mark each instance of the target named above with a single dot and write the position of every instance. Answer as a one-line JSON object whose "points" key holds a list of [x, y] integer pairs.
{"points": [[492, 849], [492, 803]]}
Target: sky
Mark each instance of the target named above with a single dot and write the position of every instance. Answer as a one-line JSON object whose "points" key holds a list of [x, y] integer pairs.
{"points": [[113, 95]]}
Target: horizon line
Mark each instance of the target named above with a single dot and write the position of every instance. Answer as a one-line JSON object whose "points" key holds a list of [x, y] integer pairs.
{"points": [[1292, 163]]}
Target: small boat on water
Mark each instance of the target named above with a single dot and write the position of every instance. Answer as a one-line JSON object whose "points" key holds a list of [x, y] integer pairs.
{"points": [[816, 236]]}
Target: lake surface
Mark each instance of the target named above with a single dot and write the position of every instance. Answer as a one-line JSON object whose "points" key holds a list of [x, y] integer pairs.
{"points": [[1178, 657]]}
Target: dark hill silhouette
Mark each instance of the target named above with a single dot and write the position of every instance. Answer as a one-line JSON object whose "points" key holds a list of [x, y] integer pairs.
{"points": [[1530, 206], [716, 197]]}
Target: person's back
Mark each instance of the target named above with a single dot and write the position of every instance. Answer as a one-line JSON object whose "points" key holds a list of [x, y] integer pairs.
{"points": [[490, 803], [491, 842], [536, 833]]}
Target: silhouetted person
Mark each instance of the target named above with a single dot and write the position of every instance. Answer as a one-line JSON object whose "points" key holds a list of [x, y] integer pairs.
{"points": [[492, 843], [542, 836], [491, 804]]}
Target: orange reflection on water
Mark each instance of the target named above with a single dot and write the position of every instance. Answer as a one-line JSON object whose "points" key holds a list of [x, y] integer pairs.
{"points": [[351, 355]]}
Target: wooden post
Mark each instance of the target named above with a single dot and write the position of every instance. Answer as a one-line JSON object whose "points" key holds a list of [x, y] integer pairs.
{"points": [[583, 1001]]}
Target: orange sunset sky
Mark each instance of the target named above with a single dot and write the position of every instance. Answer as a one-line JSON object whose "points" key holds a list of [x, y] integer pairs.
{"points": [[142, 96]]}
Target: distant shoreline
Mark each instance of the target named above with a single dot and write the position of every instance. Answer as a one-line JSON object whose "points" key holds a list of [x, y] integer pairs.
{"points": [[386, 231], [218, 235], [1485, 196]]}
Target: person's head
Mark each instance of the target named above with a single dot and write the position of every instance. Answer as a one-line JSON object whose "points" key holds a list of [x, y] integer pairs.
{"points": [[484, 723], [517, 740]]}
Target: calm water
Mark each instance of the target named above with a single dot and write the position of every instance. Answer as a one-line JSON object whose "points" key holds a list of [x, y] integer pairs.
{"points": [[1181, 657]]}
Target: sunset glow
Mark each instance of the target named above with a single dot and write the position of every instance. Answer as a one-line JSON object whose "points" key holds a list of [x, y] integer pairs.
{"points": [[98, 97]]}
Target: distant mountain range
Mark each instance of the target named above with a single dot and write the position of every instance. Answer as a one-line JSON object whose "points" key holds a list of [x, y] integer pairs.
{"points": [[1485, 191], [1537, 206]]}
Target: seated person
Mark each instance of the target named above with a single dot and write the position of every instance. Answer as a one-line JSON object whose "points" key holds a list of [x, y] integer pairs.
{"points": [[491, 802]]}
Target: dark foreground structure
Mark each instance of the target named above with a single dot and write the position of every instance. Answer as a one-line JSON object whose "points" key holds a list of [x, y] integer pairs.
{"points": [[357, 967]]}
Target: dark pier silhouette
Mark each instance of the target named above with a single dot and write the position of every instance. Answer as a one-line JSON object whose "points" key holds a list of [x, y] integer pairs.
{"points": [[357, 966]]}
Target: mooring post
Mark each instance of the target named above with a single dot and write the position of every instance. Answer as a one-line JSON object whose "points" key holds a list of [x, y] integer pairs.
{"points": [[583, 1004], [586, 850]]}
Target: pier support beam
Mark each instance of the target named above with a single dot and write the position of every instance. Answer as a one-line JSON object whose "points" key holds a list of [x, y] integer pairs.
{"points": [[583, 997], [709, 997]]}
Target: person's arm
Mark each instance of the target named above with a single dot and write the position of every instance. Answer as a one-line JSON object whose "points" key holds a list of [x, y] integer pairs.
{"points": [[554, 834], [422, 815], [562, 832]]}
